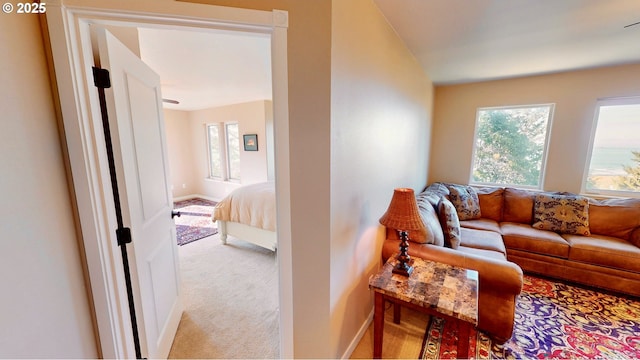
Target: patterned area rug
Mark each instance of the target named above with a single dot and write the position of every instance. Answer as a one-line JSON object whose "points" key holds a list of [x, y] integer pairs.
{"points": [[195, 221], [553, 321]]}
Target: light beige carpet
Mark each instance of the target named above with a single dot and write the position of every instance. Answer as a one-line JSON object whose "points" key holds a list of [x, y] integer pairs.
{"points": [[230, 294]]}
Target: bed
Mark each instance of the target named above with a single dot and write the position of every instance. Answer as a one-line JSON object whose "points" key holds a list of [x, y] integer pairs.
{"points": [[249, 213]]}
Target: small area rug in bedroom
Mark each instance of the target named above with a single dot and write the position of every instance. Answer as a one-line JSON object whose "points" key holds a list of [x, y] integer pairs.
{"points": [[553, 321], [194, 222]]}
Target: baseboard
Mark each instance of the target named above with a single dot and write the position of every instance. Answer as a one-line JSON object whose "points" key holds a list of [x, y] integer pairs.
{"points": [[356, 340], [207, 198], [193, 196], [182, 198]]}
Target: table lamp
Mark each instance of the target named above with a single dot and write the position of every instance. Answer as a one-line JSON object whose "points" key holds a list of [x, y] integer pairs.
{"points": [[403, 215]]}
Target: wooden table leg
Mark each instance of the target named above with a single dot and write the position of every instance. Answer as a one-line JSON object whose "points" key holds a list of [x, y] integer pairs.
{"points": [[396, 313], [378, 325], [463, 340]]}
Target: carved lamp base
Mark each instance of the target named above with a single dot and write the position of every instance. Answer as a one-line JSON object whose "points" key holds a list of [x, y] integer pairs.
{"points": [[404, 260]]}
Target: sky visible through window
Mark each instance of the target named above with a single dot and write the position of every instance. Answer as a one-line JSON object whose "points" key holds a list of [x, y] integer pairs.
{"points": [[617, 137]]}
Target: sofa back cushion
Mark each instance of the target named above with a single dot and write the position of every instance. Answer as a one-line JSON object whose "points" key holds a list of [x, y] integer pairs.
{"points": [[439, 188], [614, 217], [491, 200], [433, 231], [518, 206], [431, 221]]}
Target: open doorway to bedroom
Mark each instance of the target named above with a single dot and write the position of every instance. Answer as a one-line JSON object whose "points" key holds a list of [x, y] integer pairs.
{"points": [[217, 90]]}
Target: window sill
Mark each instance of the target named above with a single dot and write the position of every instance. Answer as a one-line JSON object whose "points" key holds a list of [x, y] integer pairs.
{"points": [[603, 195], [220, 181]]}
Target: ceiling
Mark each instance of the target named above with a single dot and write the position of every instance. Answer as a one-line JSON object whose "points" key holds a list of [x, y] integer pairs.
{"points": [[455, 41], [208, 69], [459, 41]]}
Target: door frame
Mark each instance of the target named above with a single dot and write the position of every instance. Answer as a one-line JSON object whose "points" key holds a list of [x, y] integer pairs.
{"points": [[68, 25]]}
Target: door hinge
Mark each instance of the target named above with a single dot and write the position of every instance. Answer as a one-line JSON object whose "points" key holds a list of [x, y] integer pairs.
{"points": [[123, 235], [101, 78]]}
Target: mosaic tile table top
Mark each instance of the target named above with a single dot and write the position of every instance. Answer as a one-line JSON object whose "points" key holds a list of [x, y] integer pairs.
{"points": [[447, 289]]}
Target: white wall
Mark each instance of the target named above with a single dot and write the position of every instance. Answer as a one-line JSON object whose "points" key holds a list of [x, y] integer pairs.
{"points": [[380, 129], [44, 307], [181, 157], [574, 93]]}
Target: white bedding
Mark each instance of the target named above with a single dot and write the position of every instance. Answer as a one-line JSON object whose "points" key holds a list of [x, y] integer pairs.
{"points": [[253, 205]]}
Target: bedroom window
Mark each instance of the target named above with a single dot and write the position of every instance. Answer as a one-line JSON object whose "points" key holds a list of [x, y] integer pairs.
{"points": [[233, 151], [215, 151], [613, 164], [510, 145], [223, 142]]}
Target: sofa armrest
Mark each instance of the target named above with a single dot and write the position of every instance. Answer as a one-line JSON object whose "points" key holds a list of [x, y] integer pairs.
{"points": [[503, 276]]}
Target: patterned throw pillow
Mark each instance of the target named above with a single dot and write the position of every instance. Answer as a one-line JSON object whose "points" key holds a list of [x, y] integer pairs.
{"points": [[565, 214], [450, 223], [465, 200]]}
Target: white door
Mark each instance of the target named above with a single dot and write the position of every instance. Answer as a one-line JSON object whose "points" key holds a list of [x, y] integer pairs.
{"points": [[134, 105]]}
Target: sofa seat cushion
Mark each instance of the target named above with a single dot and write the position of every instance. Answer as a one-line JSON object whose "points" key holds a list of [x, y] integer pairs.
{"points": [[482, 239], [524, 237], [481, 224], [604, 250], [482, 253]]}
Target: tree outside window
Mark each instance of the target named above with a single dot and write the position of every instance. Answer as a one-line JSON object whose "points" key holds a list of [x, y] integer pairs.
{"points": [[510, 145]]}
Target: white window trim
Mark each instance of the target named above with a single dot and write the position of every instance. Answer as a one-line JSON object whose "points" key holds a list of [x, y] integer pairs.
{"points": [[545, 151], [628, 100]]}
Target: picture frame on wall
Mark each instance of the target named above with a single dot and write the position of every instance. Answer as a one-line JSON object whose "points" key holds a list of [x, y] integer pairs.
{"points": [[250, 142]]}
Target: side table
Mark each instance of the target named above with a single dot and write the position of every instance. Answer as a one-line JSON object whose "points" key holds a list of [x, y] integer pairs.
{"points": [[438, 289]]}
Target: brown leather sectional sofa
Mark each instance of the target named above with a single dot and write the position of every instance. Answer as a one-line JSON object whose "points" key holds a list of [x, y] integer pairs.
{"points": [[609, 258], [502, 243]]}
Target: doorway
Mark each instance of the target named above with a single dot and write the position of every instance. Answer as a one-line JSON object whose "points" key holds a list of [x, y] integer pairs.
{"points": [[70, 37], [219, 80]]}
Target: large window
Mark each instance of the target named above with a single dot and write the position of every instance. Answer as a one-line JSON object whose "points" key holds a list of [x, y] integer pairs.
{"points": [[224, 151], [614, 161], [510, 145]]}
